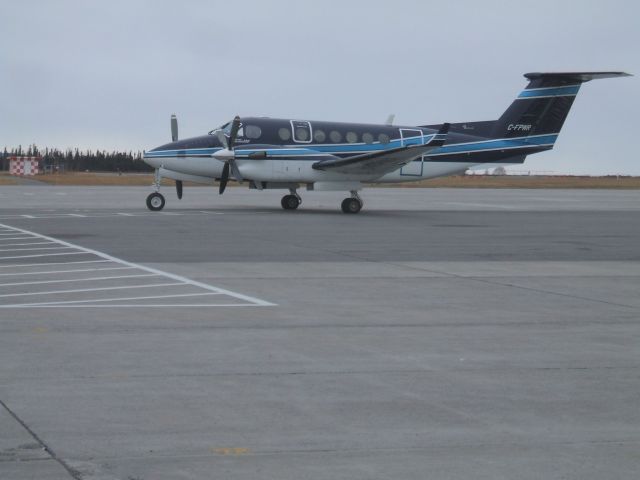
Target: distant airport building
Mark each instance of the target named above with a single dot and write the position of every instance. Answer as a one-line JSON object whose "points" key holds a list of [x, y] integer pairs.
{"points": [[24, 166]]}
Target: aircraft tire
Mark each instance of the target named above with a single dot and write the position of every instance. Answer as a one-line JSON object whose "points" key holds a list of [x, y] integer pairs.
{"points": [[155, 202], [290, 202], [351, 205]]}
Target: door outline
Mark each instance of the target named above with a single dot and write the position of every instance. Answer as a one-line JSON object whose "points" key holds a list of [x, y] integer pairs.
{"points": [[293, 130], [415, 167]]}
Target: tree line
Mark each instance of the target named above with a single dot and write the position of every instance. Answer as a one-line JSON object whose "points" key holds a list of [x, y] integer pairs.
{"points": [[74, 159]]}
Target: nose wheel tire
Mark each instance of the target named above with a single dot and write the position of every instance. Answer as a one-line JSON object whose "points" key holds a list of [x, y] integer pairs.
{"points": [[155, 202], [290, 202], [351, 205]]}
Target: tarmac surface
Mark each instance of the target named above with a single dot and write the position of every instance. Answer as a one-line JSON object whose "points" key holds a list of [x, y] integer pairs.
{"points": [[439, 333]]}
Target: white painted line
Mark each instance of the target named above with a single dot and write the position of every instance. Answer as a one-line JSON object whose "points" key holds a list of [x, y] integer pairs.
{"points": [[70, 280], [45, 272], [109, 300], [76, 215], [17, 238], [172, 276], [44, 255], [27, 216], [34, 248], [22, 244], [125, 214], [6, 234], [122, 287], [168, 305], [16, 265]]}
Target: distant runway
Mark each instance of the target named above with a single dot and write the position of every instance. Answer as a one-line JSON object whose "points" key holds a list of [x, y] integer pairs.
{"points": [[440, 333]]}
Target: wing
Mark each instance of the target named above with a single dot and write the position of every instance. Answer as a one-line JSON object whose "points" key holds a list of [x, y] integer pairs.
{"points": [[384, 161]]}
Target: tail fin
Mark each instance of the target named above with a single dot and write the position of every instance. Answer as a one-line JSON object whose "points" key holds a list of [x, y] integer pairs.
{"points": [[542, 107]]}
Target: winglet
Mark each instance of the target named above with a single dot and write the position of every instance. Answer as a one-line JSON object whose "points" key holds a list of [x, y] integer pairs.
{"points": [[440, 137]]}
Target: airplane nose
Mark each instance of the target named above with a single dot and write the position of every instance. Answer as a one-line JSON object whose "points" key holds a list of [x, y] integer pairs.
{"points": [[151, 158]]}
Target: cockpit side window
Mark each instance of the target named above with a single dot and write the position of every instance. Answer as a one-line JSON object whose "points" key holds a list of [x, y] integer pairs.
{"points": [[252, 131]]}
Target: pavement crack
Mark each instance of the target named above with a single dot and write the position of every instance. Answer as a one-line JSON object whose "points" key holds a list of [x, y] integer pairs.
{"points": [[72, 472]]}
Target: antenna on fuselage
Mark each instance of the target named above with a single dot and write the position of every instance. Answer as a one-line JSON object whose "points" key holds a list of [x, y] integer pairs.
{"points": [[390, 119]]}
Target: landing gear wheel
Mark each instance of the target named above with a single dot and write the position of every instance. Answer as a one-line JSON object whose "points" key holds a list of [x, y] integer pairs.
{"points": [[155, 202], [351, 205], [290, 202]]}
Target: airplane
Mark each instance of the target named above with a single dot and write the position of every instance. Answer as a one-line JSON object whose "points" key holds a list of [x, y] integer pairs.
{"points": [[270, 153]]}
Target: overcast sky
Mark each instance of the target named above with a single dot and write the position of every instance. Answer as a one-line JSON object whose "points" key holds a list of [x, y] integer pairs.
{"points": [[109, 74]]}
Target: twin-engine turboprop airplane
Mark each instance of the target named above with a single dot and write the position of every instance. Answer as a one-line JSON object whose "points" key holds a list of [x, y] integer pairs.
{"points": [[271, 153]]}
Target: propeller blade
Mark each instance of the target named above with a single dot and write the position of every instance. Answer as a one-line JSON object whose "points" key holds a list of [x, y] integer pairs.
{"points": [[174, 128], [179, 189], [235, 170], [224, 179], [222, 139], [235, 126]]}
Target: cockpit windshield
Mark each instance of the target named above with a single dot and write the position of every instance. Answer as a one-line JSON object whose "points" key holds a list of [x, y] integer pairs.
{"points": [[226, 128]]}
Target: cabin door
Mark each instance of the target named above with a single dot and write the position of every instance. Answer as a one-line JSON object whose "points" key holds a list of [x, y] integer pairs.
{"points": [[409, 136]]}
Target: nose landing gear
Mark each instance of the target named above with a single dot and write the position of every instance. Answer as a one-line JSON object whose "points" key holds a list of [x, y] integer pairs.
{"points": [[155, 200]]}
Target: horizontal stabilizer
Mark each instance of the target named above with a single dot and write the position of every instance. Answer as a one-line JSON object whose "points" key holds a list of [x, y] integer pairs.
{"points": [[575, 76]]}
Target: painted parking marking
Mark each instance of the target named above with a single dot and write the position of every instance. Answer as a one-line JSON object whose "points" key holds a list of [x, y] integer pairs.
{"points": [[29, 249], [68, 280], [24, 265], [52, 272], [172, 288], [100, 289], [44, 255], [69, 302], [22, 244]]}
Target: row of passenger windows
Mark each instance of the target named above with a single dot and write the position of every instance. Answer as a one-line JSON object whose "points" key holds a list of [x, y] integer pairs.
{"points": [[302, 135]]}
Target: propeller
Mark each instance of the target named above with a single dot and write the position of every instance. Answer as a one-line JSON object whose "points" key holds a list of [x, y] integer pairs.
{"points": [[227, 154], [174, 128], [174, 138]]}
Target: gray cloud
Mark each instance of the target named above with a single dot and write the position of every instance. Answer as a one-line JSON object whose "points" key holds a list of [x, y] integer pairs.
{"points": [[109, 74]]}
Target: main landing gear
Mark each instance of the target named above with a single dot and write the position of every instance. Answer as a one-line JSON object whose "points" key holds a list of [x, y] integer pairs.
{"points": [[353, 204], [291, 201]]}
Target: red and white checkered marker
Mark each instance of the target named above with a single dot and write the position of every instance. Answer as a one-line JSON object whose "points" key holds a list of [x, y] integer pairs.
{"points": [[24, 166]]}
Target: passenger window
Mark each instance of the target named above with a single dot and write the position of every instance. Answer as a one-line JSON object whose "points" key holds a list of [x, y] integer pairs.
{"points": [[302, 134], [335, 136], [319, 135], [252, 131], [301, 131], [284, 134], [367, 138], [352, 137], [383, 138]]}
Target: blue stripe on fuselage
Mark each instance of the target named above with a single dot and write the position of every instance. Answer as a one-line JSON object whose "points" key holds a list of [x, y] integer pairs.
{"points": [[313, 153]]}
